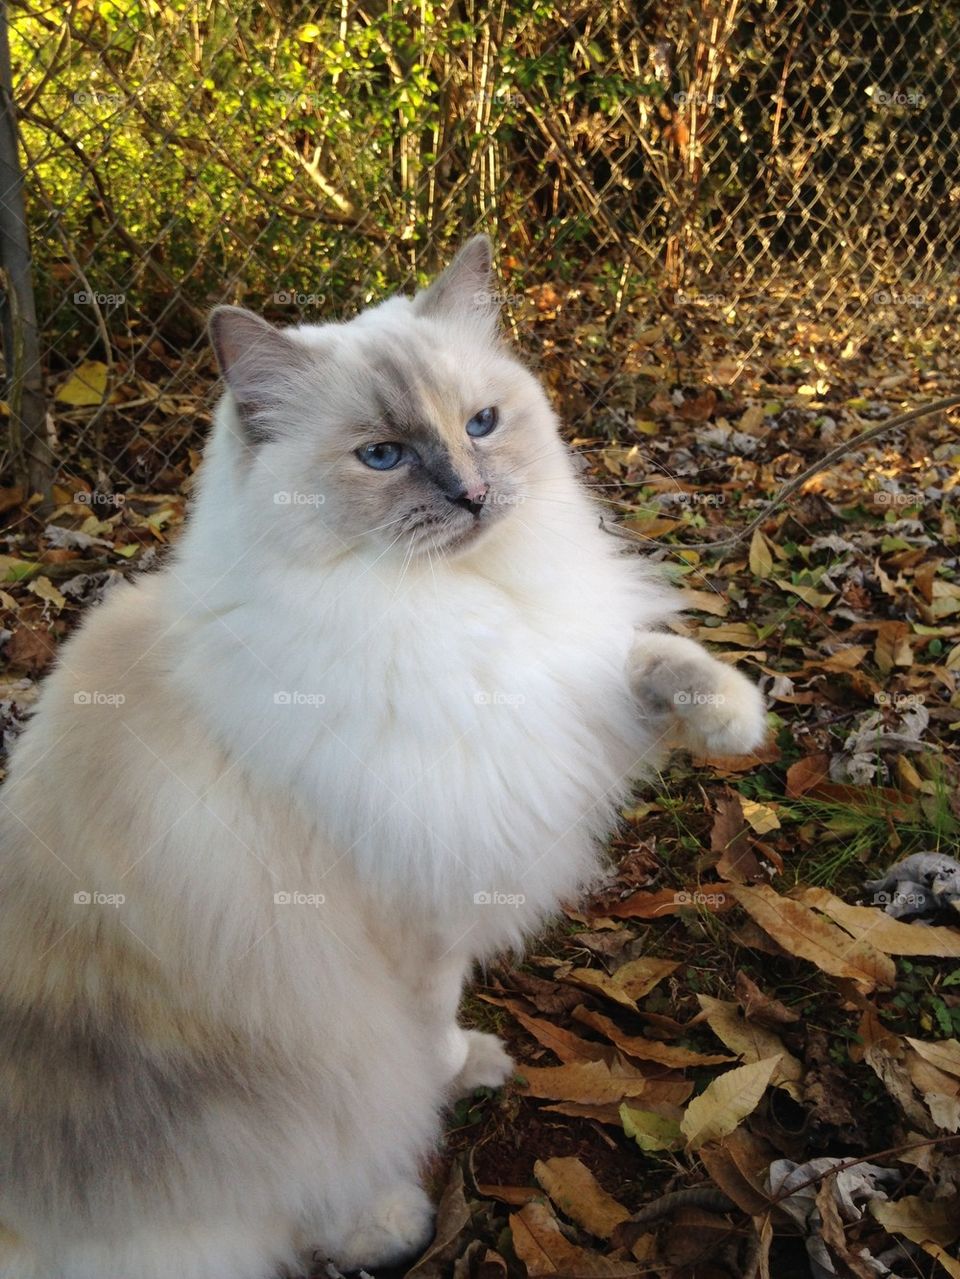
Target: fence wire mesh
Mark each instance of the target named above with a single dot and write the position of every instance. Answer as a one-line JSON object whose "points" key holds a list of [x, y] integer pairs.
{"points": [[776, 173]]}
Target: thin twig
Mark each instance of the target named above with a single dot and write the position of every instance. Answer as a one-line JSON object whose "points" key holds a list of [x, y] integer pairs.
{"points": [[788, 489]]}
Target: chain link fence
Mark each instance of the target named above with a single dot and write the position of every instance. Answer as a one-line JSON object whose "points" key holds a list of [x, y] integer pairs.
{"points": [[756, 169]]}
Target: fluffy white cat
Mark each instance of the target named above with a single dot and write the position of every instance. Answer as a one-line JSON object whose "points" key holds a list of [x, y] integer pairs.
{"points": [[371, 723]]}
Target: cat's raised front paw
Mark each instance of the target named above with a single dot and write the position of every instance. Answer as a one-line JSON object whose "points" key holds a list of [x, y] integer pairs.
{"points": [[717, 710]]}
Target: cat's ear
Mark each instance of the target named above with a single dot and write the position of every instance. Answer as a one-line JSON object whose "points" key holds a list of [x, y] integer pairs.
{"points": [[258, 363], [465, 287]]}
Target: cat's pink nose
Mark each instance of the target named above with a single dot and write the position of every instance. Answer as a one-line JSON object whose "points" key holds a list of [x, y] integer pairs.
{"points": [[471, 498]]}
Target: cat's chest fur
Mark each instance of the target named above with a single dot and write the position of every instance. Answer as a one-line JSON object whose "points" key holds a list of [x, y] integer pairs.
{"points": [[467, 734]]}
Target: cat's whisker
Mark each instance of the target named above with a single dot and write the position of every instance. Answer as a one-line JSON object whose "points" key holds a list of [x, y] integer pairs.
{"points": [[407, 561], [562, 501], [377, 528]]}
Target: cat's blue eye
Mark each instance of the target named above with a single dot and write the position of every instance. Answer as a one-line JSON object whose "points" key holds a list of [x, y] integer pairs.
{"points": [[381, 457], [482, 423]]}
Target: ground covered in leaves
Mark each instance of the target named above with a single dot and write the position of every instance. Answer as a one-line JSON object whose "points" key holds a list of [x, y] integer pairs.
{"points": [[739, 1059]]}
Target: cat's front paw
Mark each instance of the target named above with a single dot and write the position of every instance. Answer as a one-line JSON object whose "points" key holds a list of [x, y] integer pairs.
{"points": [[732, 720], [396, 1228], [714, 709], [488, 1064]]}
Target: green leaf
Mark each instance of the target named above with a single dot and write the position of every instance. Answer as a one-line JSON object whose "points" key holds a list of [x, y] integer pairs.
{"points": [[14, 570], [649, 1130]]}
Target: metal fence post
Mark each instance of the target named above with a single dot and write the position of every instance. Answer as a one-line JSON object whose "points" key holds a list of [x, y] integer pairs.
{"points": [[32, 458]]}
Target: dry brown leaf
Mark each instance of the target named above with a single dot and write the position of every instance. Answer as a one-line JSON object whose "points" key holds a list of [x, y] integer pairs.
{"points": [[516, 1196], [762, 818], [545, 1251], [741, 634], [725, 765], [761, 1008], [647, 1049], [751, 1042], [700, 407], [668, 901], [29, 649], [564, 1043], [704, 602], [920, 1220], [576, 1192], [845, 659], [730, 841], [892, 647], [950, 1264], [588, 1082], [881, 930], [490, 1266], [809, 936], [627, 984], [726, 1102], [761, 561], [547, 996], [44, 589], [940, 1092], [692, 1239], [764, 1228], [738, 1165], [944, 1054], [834, 1235], [752, 419], [453, 1214], [606, 1114], [885, 1054]]}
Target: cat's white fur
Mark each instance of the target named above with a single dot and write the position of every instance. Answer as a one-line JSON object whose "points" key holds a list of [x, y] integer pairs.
{"points": [[428, 751]]}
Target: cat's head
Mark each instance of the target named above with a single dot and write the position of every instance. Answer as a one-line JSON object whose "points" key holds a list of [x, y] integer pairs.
{"points": [[410, 427]]}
